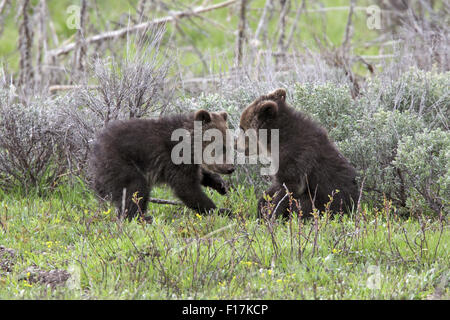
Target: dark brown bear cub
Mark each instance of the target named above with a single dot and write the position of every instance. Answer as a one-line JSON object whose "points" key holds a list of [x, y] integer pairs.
{"points": [[130, 157], [309, 164]]}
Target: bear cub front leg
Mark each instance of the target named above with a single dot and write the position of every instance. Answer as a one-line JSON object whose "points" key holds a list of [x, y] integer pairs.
{"points": [[214, 181]]}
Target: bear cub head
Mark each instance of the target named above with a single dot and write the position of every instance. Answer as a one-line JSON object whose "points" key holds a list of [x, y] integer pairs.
{"points": [[260, 114], [215, 126]]}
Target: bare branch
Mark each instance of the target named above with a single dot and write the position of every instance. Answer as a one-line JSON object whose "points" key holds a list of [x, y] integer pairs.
{"points": [[80, 46], [55, 88], [300, 10], [141, 26], [286, 4], [41, 42], [349, 27], [241, 31], [2, 10], [164, 201], [25, 44], [262, 25], [3, 6]]}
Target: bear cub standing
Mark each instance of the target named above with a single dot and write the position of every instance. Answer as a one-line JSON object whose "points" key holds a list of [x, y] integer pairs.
{"points": [[129, 157], [310, 165]]}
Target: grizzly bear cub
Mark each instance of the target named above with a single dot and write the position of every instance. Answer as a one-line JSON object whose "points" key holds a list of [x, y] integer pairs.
{"points": [[309, 164], [130, 157]]}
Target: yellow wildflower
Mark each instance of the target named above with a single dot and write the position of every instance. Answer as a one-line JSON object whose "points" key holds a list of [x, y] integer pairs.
{"points": [[247, 263]]}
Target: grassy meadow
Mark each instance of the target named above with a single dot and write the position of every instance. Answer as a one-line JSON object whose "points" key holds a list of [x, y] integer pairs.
{"points": [[57, 241], [371, 254]]}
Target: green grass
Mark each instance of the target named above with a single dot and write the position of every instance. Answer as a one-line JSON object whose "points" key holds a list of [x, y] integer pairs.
{"points": [[183, 255]]}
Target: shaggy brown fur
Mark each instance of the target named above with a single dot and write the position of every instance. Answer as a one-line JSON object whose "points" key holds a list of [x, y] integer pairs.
{"points": [[310, 165], [134, 155]]}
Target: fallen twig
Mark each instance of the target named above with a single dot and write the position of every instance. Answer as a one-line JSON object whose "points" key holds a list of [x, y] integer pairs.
{"points": [[164, 201], [61, 87]]}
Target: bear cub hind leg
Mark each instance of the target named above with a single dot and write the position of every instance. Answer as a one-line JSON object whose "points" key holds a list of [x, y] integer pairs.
{"points": [[135, 192]]}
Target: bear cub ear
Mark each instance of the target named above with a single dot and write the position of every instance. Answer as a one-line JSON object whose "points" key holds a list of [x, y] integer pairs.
{"points": [[268, 110], [279, 94], [224, 115], [203, 116]]}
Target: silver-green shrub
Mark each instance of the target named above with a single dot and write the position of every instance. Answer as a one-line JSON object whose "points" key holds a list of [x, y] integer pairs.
{"points": [[425, 162], [330, 104], [368, 131], [372, 148], [377, 131], [425, 93]]}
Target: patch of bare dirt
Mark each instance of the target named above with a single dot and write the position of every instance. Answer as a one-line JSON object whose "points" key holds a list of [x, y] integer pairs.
{"points": [[7, 259], [53, 277], [440, 293]]}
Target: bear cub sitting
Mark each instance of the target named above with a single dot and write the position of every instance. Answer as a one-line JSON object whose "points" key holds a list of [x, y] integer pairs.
{"points": [[309, 164], [130, 157]]}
